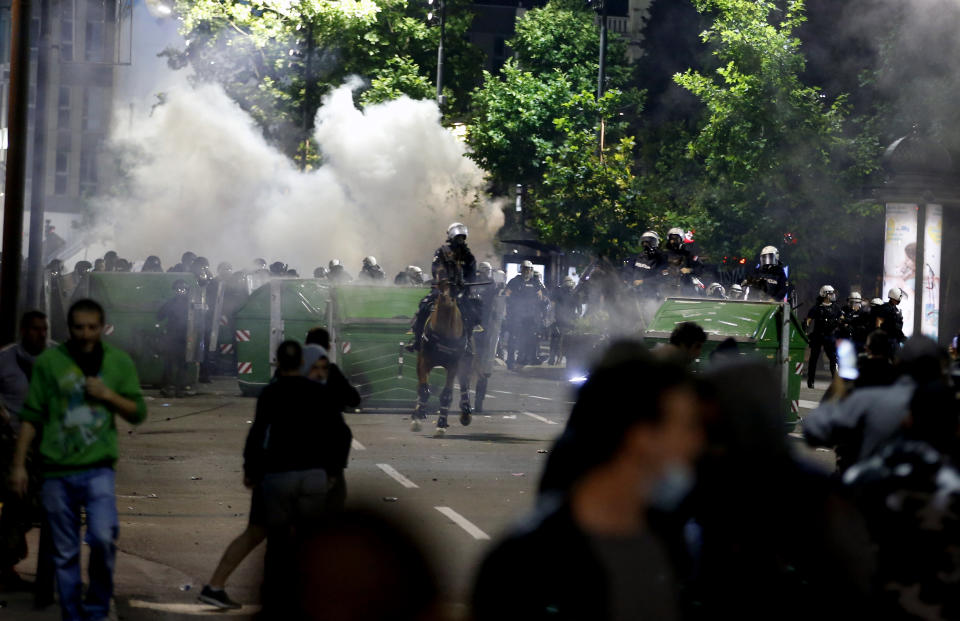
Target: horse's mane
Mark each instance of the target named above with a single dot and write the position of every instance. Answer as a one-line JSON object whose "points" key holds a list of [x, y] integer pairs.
{"points": [[445, 320]]}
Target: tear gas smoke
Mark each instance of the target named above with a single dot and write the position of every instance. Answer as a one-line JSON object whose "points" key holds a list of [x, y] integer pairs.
{"points": [[198, 175]]}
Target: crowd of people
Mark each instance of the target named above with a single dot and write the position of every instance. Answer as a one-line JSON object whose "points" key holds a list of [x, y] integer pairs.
{"points": [[690, 505]]}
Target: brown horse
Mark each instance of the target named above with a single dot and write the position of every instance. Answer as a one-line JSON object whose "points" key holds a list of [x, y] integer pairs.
{"points": [[444, 345]]}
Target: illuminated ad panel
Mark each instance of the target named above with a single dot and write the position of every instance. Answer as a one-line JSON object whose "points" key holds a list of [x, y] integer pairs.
{"points": [[899, 258], [932, 241]]}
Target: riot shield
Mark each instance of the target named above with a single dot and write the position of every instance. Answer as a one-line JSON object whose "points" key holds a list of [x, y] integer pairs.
{"points": [[486, 341]]}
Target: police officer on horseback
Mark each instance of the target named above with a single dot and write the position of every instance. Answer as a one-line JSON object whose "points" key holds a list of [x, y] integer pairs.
{"points": [[454, 263]]}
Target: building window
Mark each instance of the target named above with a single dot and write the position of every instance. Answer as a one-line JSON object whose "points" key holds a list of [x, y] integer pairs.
{"points": [[88, 165], [93, 109], [96, 31], [63, 107], [66, 31]]}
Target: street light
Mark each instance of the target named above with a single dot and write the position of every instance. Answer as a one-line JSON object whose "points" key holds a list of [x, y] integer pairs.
{"points": [[601, 6], [442, 7]]}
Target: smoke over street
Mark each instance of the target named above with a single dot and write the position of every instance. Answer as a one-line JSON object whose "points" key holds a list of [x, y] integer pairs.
{"points": [[197, 174]]}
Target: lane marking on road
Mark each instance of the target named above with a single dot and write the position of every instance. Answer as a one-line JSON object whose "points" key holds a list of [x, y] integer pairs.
{"points": [[192, 609], [502, 392], [539, 418], [798, 436], [396, 476], [463, 523], [809, 405], [541, 398], [357, 446]]}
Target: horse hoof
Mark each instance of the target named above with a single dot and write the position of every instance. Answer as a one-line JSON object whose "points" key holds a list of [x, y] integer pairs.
{"points": [[414, 425], [442, 422], [465, 419]]}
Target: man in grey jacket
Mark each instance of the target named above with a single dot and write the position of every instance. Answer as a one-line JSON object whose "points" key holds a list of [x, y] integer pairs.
{"points": [[858, 423]]}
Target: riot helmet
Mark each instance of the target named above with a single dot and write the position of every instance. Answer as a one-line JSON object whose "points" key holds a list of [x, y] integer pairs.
{"points": [[55, 267], [855, 300], [152, 264], [278, 268], [259, 265], [335, 264], [457, 233], [413, 269], [769, 256], [828, 293], [674, 238], [875, 302], [110, 254], [123, 266], [320, 272], [716, 290], [82, 267], [484, 269], [224, 269], [650, 240], [526, 269], [499, 277], [569, 283], [736, 291], [369, 261], [895, 294], [188, 258]]}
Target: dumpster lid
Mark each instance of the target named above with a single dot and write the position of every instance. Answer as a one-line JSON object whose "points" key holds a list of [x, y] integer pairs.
{"points": [[744, 321]]}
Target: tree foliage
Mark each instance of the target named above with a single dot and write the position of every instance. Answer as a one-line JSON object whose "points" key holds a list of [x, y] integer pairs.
{"points": [[278, 58]]}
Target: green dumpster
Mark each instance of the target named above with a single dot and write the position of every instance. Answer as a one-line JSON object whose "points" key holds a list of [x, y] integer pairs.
{"points": [[130, 301], [280, 309], [372, 326], [755, 326]]}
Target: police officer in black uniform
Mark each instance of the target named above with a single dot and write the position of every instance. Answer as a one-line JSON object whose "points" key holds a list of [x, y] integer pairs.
{"points": [[371, 270], [525, 297], [769, 277], [822, 323], [642, 271], [680, 266], [411, 277], [566, 310], [175, 313], [336, 274], [890, 319], [454, 263], [855, 321]]}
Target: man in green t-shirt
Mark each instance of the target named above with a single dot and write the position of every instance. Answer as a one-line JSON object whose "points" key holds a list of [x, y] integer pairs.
{"points": [[75, 392]]}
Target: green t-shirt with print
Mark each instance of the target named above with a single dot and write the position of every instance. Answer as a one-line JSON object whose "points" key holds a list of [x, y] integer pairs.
{"points": [[78, 432]]}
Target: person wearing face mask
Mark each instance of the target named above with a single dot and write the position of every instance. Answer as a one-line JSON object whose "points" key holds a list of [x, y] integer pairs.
{"points": [[589, 550], [642, 271]]}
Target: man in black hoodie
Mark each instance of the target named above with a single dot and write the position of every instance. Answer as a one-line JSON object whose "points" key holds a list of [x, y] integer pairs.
{"points": [[298, 441]]}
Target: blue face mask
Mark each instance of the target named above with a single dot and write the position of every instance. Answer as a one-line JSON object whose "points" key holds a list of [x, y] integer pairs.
{"points": [[673, 486]]}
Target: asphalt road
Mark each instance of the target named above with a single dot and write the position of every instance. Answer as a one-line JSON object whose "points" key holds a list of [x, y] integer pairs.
{"points": [[181, 498]]}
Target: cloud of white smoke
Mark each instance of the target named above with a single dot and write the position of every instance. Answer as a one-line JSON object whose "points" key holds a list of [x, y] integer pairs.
{"points": [[201, 177]]}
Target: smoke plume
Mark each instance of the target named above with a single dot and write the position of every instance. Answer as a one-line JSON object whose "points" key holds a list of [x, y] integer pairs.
{"points": [[198, 175]]}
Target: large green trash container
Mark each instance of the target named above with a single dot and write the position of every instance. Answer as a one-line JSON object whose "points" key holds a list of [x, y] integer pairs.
{"points": [[283, 308], [755, 326], [130, 301], [372, 326]]}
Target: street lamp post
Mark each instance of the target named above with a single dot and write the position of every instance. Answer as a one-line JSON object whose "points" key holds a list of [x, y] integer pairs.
{"points": [[442, 7], [601, 73]]}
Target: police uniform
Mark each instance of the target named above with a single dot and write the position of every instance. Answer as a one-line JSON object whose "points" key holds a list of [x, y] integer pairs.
{"points": [[456, 265], [769, 279], [855, 325], [524, 302], [826, 319], [891, 321], [645, 267]]}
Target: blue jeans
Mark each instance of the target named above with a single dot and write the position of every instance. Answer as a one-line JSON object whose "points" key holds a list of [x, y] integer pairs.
{"points": [[62, 498]]}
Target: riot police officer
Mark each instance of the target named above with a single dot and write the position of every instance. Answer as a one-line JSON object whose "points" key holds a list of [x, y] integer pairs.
{"points": [[336, 274], [566, 310], [680, 266], [716, 290], [890, 319], [769, 277], [643, 270], [371, 270], [454, 263], [412, 276], [175, 312], [152, 264], [525, 297], [822, 322], [736, 292], [855, 321]]}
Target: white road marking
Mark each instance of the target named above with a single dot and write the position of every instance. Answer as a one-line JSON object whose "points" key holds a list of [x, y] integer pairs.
{"points": [[798, 436], [192, 609], [541, 398], [357, 446], [810, 405], [539, 418], [502, 392], [463, 523], [396, 476]]}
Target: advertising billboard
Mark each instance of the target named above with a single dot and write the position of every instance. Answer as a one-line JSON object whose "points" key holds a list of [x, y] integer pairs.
{"points": [[932, 241], [900, 257]]}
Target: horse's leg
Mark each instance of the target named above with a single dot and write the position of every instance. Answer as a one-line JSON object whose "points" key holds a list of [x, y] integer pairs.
{"points": [[423, 396], [445, 398], [465, 368]]}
